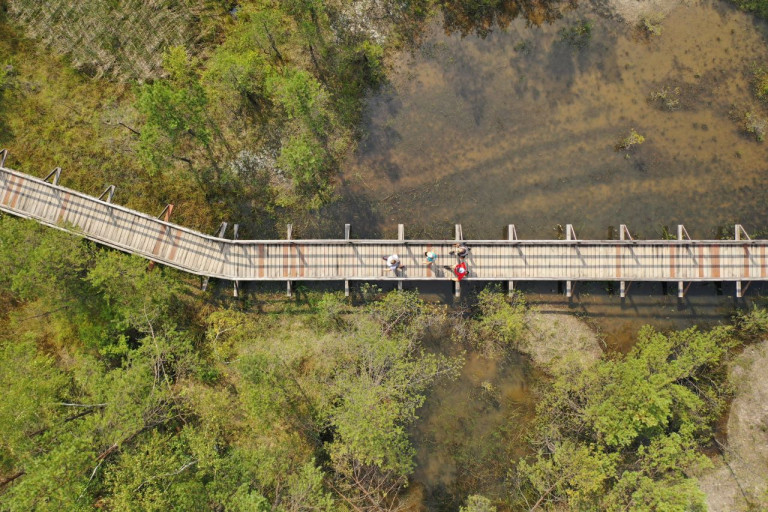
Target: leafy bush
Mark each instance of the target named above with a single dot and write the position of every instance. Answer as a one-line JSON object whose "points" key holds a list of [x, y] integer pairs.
{"points": [[651, 24], [626, 434]]}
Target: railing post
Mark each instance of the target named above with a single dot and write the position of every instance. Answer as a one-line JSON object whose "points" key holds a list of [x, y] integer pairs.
{"points": [[109, 192], [289, 234], [346, 237], [401, 238], [511, 235], [740, 288], [570, 235], [624, 234], [459, 238], [236, 291], [55, 174], [3, 156]]}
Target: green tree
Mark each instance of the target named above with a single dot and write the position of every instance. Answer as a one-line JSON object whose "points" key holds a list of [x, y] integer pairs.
{"points": [[175, 111], [626, 433]]}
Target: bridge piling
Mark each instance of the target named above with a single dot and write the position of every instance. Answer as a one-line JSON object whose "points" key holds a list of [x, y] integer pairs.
{"points": [[459, 237], [289, 233], [347, 229], [511, 235], [570, 235], [236, 290], [401, 238]]}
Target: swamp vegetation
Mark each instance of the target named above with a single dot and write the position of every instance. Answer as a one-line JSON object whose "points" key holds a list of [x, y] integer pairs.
{"points": [[127, 389]]}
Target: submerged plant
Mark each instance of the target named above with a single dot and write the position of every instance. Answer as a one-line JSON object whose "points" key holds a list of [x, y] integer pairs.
{"points": [[651, 23], [750, 123], [577, 35], [760, 82], [755, 125], [633, 139], [666, 98]]}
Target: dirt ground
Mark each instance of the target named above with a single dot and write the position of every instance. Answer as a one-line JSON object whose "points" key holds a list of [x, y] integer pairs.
{"points": [[739, 481]]}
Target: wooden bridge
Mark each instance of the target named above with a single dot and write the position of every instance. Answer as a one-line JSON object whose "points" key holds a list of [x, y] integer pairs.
{"points": [[680, 261]]}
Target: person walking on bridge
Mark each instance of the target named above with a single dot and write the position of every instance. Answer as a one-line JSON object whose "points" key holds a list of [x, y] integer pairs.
{"points": [[458, 272], [461, 250], [393, 262]]}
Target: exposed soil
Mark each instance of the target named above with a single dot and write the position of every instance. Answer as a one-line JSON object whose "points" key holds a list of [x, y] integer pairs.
{"points": [[739, 481]]}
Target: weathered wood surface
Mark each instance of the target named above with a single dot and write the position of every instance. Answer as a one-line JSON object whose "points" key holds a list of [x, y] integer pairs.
{"points": [[348, 259]]}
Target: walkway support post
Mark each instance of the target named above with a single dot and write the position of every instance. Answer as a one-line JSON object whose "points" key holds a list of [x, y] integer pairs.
{"points": [[236, 291], [624, 234], [3, 155], [289, 232], [347, 228], [570, 235], [511, 235], [741, 288], [459, 238], [682, 234], [401, 238]]}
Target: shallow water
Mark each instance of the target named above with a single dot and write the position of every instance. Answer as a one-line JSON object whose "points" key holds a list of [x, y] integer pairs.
{"points": [[471, 429], [519, 127]]}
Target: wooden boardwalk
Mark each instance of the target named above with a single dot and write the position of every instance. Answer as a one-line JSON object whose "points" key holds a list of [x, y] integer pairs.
{"points": [[683, 260]]}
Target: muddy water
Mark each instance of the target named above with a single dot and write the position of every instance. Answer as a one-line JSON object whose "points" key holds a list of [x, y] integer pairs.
{"points": [[471, 429], [520, 127]]}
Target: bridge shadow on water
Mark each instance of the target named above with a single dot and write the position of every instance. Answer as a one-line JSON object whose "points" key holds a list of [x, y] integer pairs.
{"points": [[615, 319]]}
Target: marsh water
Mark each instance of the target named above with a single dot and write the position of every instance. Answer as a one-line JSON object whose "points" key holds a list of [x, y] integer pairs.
{"points": [[520, 126]]}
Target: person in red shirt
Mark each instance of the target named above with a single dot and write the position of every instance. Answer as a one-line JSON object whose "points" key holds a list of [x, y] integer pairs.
{"points": [[460, 271]]}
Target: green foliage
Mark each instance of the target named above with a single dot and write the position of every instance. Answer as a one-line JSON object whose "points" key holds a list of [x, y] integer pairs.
{"points": [[651, 24], [174, 109], [476, 503], [32, 385], [330, 309], [307, 162], [499, 319], [760, 82], [754, 124], [396, 311], [758, 7], [752, 323], [630, 141], [626, 433]]}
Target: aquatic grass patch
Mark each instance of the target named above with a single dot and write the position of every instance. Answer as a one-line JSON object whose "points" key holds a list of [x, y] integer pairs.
{"points": [[750, 122], [651, 24], [760, 82], [666, 98], [629, 141], [578, 35]]}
